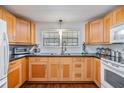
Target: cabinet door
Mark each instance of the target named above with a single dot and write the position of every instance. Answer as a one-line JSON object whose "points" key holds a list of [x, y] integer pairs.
{"points": [[1, 17], [14, 75], [66, 69], [78, 71], [54, 69], [87, 33], [96, 31], [11, 24], [88, 69], [118, 15], [97, 72], [24, 70], [22, 31], [33, 33], [108, 22], [38, 70]]}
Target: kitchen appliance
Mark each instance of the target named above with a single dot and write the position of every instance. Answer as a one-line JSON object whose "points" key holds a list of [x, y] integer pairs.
{"points": [[4, 54], [112, 74], [103, 51], [117, 34], [20, 50]]}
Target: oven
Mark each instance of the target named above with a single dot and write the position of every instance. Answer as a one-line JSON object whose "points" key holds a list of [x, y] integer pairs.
{"points": [[112, 74]]}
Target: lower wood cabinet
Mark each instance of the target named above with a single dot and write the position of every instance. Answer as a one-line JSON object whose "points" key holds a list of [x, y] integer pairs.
{"points": [[97, 72], [78, 72], [66, 69], [62, 69], [24, 63], [88, 69], [38, 69], [15, 74], [54, 69]]}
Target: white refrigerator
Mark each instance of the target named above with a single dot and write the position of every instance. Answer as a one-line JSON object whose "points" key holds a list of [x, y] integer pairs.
{"points": [[4, 54]]}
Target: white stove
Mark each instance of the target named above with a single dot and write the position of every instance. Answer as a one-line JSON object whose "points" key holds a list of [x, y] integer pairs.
{"points": [[112, 74]]}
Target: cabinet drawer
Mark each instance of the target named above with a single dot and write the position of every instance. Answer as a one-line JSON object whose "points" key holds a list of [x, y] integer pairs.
{"points": [[77, 59], [13, 64], [38, 59]]}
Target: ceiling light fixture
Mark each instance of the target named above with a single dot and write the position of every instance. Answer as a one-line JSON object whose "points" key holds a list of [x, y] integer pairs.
{"points": [[60, 28]]}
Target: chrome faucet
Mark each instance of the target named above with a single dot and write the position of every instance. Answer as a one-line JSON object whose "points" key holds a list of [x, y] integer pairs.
{"points": [[63, 47]]}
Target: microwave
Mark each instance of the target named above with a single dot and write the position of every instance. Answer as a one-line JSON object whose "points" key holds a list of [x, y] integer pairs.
{"points": [[117, 34], [21, 50]]}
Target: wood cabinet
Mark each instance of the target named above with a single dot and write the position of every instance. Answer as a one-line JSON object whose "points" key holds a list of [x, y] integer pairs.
{"points": [[38, 69], [54, 69], [88, 69], [1, 13], [22, 31], [24, 69], [11, 25], [33, 33], [118, 15], [78, 69], [66, 69], [15, 74], [97, 77], [87, 33], [96, 31], [108, 22]]}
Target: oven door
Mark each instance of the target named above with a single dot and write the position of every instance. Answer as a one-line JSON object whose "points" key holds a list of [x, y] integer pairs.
{"points": [[112, 76]]}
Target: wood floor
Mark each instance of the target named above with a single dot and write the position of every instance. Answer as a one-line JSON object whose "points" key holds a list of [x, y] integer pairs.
{"points": [[58, 85]]}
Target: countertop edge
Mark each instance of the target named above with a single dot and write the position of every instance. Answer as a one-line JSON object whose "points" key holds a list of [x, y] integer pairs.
{"points": [[16, 58]]}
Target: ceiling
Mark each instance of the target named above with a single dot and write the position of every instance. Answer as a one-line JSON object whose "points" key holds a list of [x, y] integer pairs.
{"points": [[52, 13]]}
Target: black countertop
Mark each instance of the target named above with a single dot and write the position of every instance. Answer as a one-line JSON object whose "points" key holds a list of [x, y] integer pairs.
{"points": [[15, 57]]}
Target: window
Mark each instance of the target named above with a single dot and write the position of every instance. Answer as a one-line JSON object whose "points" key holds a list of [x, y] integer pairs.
{"points": [[70, 38], [53, 38]]}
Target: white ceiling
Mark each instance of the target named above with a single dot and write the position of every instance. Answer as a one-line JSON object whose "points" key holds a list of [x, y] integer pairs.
{"points": [[52, 13]]}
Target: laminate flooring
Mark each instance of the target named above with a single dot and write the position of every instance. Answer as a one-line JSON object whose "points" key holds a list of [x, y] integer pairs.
{"points": [[58, 85]]}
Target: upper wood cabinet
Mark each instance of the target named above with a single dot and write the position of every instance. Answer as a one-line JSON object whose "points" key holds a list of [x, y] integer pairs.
{"points": [[108, 22], [33, 33], [1, 13], [87, 33], [22, 31], [11, 25], [96, 31], [118, 15]]}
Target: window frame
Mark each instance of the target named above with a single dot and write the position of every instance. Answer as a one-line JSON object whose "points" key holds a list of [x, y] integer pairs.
{"points": [[64, 30]]}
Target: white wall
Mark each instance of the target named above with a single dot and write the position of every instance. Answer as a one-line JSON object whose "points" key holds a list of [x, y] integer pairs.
{"points": [[45, 26], [77, 26]]}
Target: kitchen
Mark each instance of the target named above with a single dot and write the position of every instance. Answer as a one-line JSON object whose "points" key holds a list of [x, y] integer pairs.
{"points": [[75, 49]]}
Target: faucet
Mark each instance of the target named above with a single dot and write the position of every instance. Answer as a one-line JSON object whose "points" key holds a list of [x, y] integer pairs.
{"points": [[84, 47], [63, 47]]}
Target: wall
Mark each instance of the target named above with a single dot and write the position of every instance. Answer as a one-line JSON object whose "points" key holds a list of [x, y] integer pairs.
{"points": [[45, 26], [78, 26]]}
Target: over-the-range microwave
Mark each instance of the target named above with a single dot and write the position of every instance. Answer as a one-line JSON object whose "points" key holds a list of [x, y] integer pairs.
{"points": [[117, 34]]}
